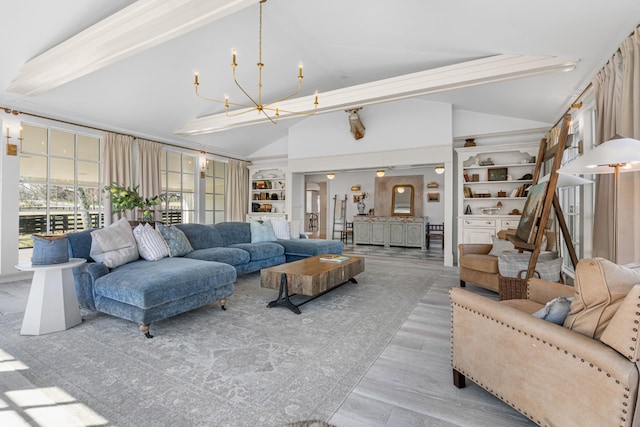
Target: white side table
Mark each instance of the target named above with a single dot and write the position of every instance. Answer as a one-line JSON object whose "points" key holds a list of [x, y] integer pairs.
{"points": [[52, 305]]}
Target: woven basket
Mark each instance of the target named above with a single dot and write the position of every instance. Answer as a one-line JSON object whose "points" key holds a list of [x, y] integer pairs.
{"points": [[513, 287]]}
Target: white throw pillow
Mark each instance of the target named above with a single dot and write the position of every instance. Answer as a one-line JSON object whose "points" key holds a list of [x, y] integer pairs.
{"points": [[500, 246], [281, 228], [295, 228], [151, 245], [114, 245]]}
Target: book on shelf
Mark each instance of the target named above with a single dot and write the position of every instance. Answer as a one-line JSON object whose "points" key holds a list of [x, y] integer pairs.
{"points": [[334, 258], [466, 177]]}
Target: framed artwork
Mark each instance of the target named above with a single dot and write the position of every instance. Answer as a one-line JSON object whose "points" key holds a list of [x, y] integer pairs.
{"points": [[531, 212], [433, 197], [497, 174]]}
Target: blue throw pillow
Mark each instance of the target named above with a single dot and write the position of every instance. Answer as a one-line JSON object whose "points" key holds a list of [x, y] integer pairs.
{"points": [[176, 240], [555, 311], [262, 231]]}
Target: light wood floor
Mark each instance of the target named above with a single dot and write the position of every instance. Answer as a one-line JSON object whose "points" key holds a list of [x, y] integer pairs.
{"points": [[410, 384]]}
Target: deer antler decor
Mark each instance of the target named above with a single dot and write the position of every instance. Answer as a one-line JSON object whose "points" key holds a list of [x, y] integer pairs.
{"points": [[357, 128]]}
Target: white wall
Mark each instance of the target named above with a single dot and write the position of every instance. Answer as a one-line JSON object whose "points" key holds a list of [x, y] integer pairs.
{"points": [[395, 125], [9, 219]]}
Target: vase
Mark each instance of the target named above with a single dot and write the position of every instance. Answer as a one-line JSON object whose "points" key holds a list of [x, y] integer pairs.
{"points": [[361, 207]]}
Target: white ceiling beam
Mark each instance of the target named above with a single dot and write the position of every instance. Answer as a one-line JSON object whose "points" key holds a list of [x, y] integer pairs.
{"points": [[471, 73], [140, 26]]}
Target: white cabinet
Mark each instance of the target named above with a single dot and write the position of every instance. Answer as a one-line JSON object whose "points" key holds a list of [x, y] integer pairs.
{"points": [[492, 183], [390, 231], [267, 193]]}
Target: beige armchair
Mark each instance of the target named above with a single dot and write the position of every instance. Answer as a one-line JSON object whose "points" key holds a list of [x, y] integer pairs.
{"points": [[581, 373], [479, 268]]}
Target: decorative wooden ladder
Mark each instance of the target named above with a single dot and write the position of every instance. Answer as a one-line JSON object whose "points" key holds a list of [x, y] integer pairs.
{"points": [[339, 216], [546, 153]]}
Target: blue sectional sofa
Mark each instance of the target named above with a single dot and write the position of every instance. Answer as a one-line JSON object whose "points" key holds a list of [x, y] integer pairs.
{"points": [[147, 291]]}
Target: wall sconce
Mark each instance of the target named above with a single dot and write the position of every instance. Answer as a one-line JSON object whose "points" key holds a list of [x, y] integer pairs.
{"points": [[203, 165], [331, 175], [439, 169], [380, 172], [12, 149]]}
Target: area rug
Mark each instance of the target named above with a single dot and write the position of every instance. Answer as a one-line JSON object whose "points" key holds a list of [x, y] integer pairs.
{"points": [[247, 366]]}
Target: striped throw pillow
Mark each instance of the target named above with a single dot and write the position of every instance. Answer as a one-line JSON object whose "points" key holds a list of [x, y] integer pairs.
{"points": [[281, 228], [151, 245]]}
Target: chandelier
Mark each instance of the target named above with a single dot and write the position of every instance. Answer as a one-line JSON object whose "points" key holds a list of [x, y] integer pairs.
{"points": [[269, 109]]}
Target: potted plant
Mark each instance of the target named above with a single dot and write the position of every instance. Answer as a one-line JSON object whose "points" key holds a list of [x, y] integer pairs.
{"points": [[127, 198]]}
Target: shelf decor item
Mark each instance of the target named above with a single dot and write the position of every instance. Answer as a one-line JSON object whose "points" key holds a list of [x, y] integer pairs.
{"points": [[497, 174]]}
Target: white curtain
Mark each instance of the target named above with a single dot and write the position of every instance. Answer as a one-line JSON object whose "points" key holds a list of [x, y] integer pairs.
{"points": [[116, 168], [237, 191], [617, 91], [148, 166]]}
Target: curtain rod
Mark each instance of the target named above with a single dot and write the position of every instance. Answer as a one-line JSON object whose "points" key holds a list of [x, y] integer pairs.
{"points": [[16, 112], [573, 103]]}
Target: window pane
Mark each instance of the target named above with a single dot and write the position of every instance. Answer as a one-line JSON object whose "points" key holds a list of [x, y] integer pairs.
{"points": [[219, 217], [208, 202], [33, 168], [219, 186], [88, 172], [208, 185], [188, 200], [174, 182], [218, 168], [219, 201], [33, 197], [62, 143], [188, 183], [188, 164], [209, 168], [88, 148], [208, 217], [34, 139], [187, 217], [62, 170], [173, 161]]}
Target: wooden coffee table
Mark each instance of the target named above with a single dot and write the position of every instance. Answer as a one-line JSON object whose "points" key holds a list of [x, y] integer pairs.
{"points": [[309, 277]]}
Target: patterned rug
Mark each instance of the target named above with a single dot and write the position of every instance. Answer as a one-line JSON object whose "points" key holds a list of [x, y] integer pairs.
{"points": [[247, 366]]}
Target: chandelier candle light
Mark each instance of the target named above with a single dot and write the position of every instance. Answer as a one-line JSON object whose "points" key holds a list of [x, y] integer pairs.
{"points": [[256, 102]]}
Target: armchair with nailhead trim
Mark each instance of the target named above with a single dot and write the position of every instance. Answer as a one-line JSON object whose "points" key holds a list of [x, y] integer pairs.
{"points": [[582, 372]]}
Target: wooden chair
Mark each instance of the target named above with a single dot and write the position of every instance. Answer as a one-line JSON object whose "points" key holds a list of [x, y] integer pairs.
{"points": [[435, 231], [347, 232], [313, 221]]}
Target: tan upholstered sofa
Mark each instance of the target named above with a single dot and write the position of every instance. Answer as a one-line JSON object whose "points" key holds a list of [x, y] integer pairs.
{"points": [[478, 267], [581, 373]]}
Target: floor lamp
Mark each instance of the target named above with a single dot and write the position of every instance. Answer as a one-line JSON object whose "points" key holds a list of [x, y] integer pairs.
{"points": [[614, 156]]}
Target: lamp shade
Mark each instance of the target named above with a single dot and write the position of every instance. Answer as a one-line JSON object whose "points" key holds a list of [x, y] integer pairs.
{"points": [[566, 180], [331, 175], [605, 156], [380, 172]]}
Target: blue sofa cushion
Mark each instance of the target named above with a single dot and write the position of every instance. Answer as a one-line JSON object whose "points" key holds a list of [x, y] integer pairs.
{"points": [[202, 236], [261, 250], [232, 256], [148, 284], [311, 247], [234, 232]]}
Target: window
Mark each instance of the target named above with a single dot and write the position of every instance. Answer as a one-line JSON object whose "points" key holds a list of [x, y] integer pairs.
{"points": [[60, 188], [214, 207], [178, 187]]}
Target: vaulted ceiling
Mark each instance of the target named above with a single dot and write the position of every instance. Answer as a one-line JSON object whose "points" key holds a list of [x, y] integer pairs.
{"points": [[133, 71]]}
